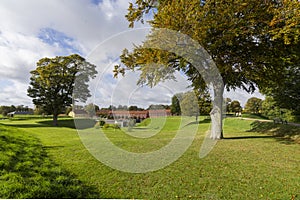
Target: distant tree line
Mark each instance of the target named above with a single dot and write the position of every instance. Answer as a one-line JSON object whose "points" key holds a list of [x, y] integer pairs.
{"points": [[4, 110], [270, 108]]}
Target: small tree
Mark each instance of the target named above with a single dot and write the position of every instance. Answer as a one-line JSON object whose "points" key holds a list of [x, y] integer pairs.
{"points": [[175, 106], [91, 109], [189, 105], [204, 102], [227, 102], [235, 107], [52, 83]]}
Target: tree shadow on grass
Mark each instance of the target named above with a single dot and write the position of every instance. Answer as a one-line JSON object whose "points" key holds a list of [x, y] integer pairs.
{"points": [[72, 123], [66, 123], [27, 125], [284, 133], [249, 137], [28, 172], [204, 121]]}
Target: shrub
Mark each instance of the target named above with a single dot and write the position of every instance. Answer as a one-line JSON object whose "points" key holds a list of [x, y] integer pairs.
{"points": [[105, 126], [102, 122], [99, 124], [116, 126]]}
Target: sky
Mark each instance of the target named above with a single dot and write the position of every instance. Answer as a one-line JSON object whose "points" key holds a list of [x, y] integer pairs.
{"points": [[95, 29]]}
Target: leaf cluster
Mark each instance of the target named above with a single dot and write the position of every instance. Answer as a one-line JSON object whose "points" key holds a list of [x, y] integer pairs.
{"points": [[239, 36]]}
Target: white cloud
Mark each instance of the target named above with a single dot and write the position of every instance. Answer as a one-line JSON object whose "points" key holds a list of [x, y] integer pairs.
{"points": [[94, 28], [21, 23]]}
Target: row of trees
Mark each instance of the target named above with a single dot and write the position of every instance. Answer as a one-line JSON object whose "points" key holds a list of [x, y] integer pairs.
{"points": [[4, 110], [270, 108], [191, 103]]}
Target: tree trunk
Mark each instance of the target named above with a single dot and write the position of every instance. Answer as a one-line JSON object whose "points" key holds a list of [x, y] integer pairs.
{"points": [[216, 113], [55, 116]]}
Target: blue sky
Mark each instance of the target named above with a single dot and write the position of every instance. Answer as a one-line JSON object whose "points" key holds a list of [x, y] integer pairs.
{"points": [[95, 29], [61, 40]]}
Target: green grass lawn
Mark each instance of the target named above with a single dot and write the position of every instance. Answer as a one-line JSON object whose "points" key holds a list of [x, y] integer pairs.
{"points": [[255, 161]]}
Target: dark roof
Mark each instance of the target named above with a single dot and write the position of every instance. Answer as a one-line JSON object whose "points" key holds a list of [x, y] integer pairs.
{"points": [[79, 111]]}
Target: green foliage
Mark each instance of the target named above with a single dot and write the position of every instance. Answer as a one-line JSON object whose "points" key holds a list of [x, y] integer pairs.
{"points": [[26, 171], [145, 122], [286, 94], [113, 126], [99, 124], [204, 102], [286, 22], [175, 106], [238, 36], [7, 109], [52, 83], [201, 105], [105, 126], [189, 104], [116, 126], [226, 30], [271, 110], [131, 124], [135, 108], [253, 105], [234, 106], [91, 109]]}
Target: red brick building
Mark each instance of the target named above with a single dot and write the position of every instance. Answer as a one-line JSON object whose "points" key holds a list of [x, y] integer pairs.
{"points": [[125, 114]]}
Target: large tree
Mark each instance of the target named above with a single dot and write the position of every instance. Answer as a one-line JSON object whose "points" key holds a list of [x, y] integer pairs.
{"points": [[59, 82], [240, 36], [253, 105]]}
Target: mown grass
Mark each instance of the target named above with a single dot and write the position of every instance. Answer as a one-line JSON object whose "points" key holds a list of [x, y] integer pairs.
{"points": [[253, 116], [26, 171], [247, 164]]}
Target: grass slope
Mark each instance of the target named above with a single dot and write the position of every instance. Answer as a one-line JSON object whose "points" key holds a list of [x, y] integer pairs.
{"points": [[27, 172], [247, 164]]}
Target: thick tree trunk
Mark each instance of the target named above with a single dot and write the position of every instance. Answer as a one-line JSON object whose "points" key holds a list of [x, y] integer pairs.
{"points": [[55, 116], [217, 113]]}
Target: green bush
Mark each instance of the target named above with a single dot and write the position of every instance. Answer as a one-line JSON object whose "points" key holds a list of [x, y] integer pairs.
{"points": [[116, 126], [105, 126], [99, 124], [145, 122]]}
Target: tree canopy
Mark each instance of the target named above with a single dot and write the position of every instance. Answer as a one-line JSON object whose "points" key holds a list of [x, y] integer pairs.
{"points": [[59, 82], [253, 105], [287, 93], [235, 107], [250, 42]]}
